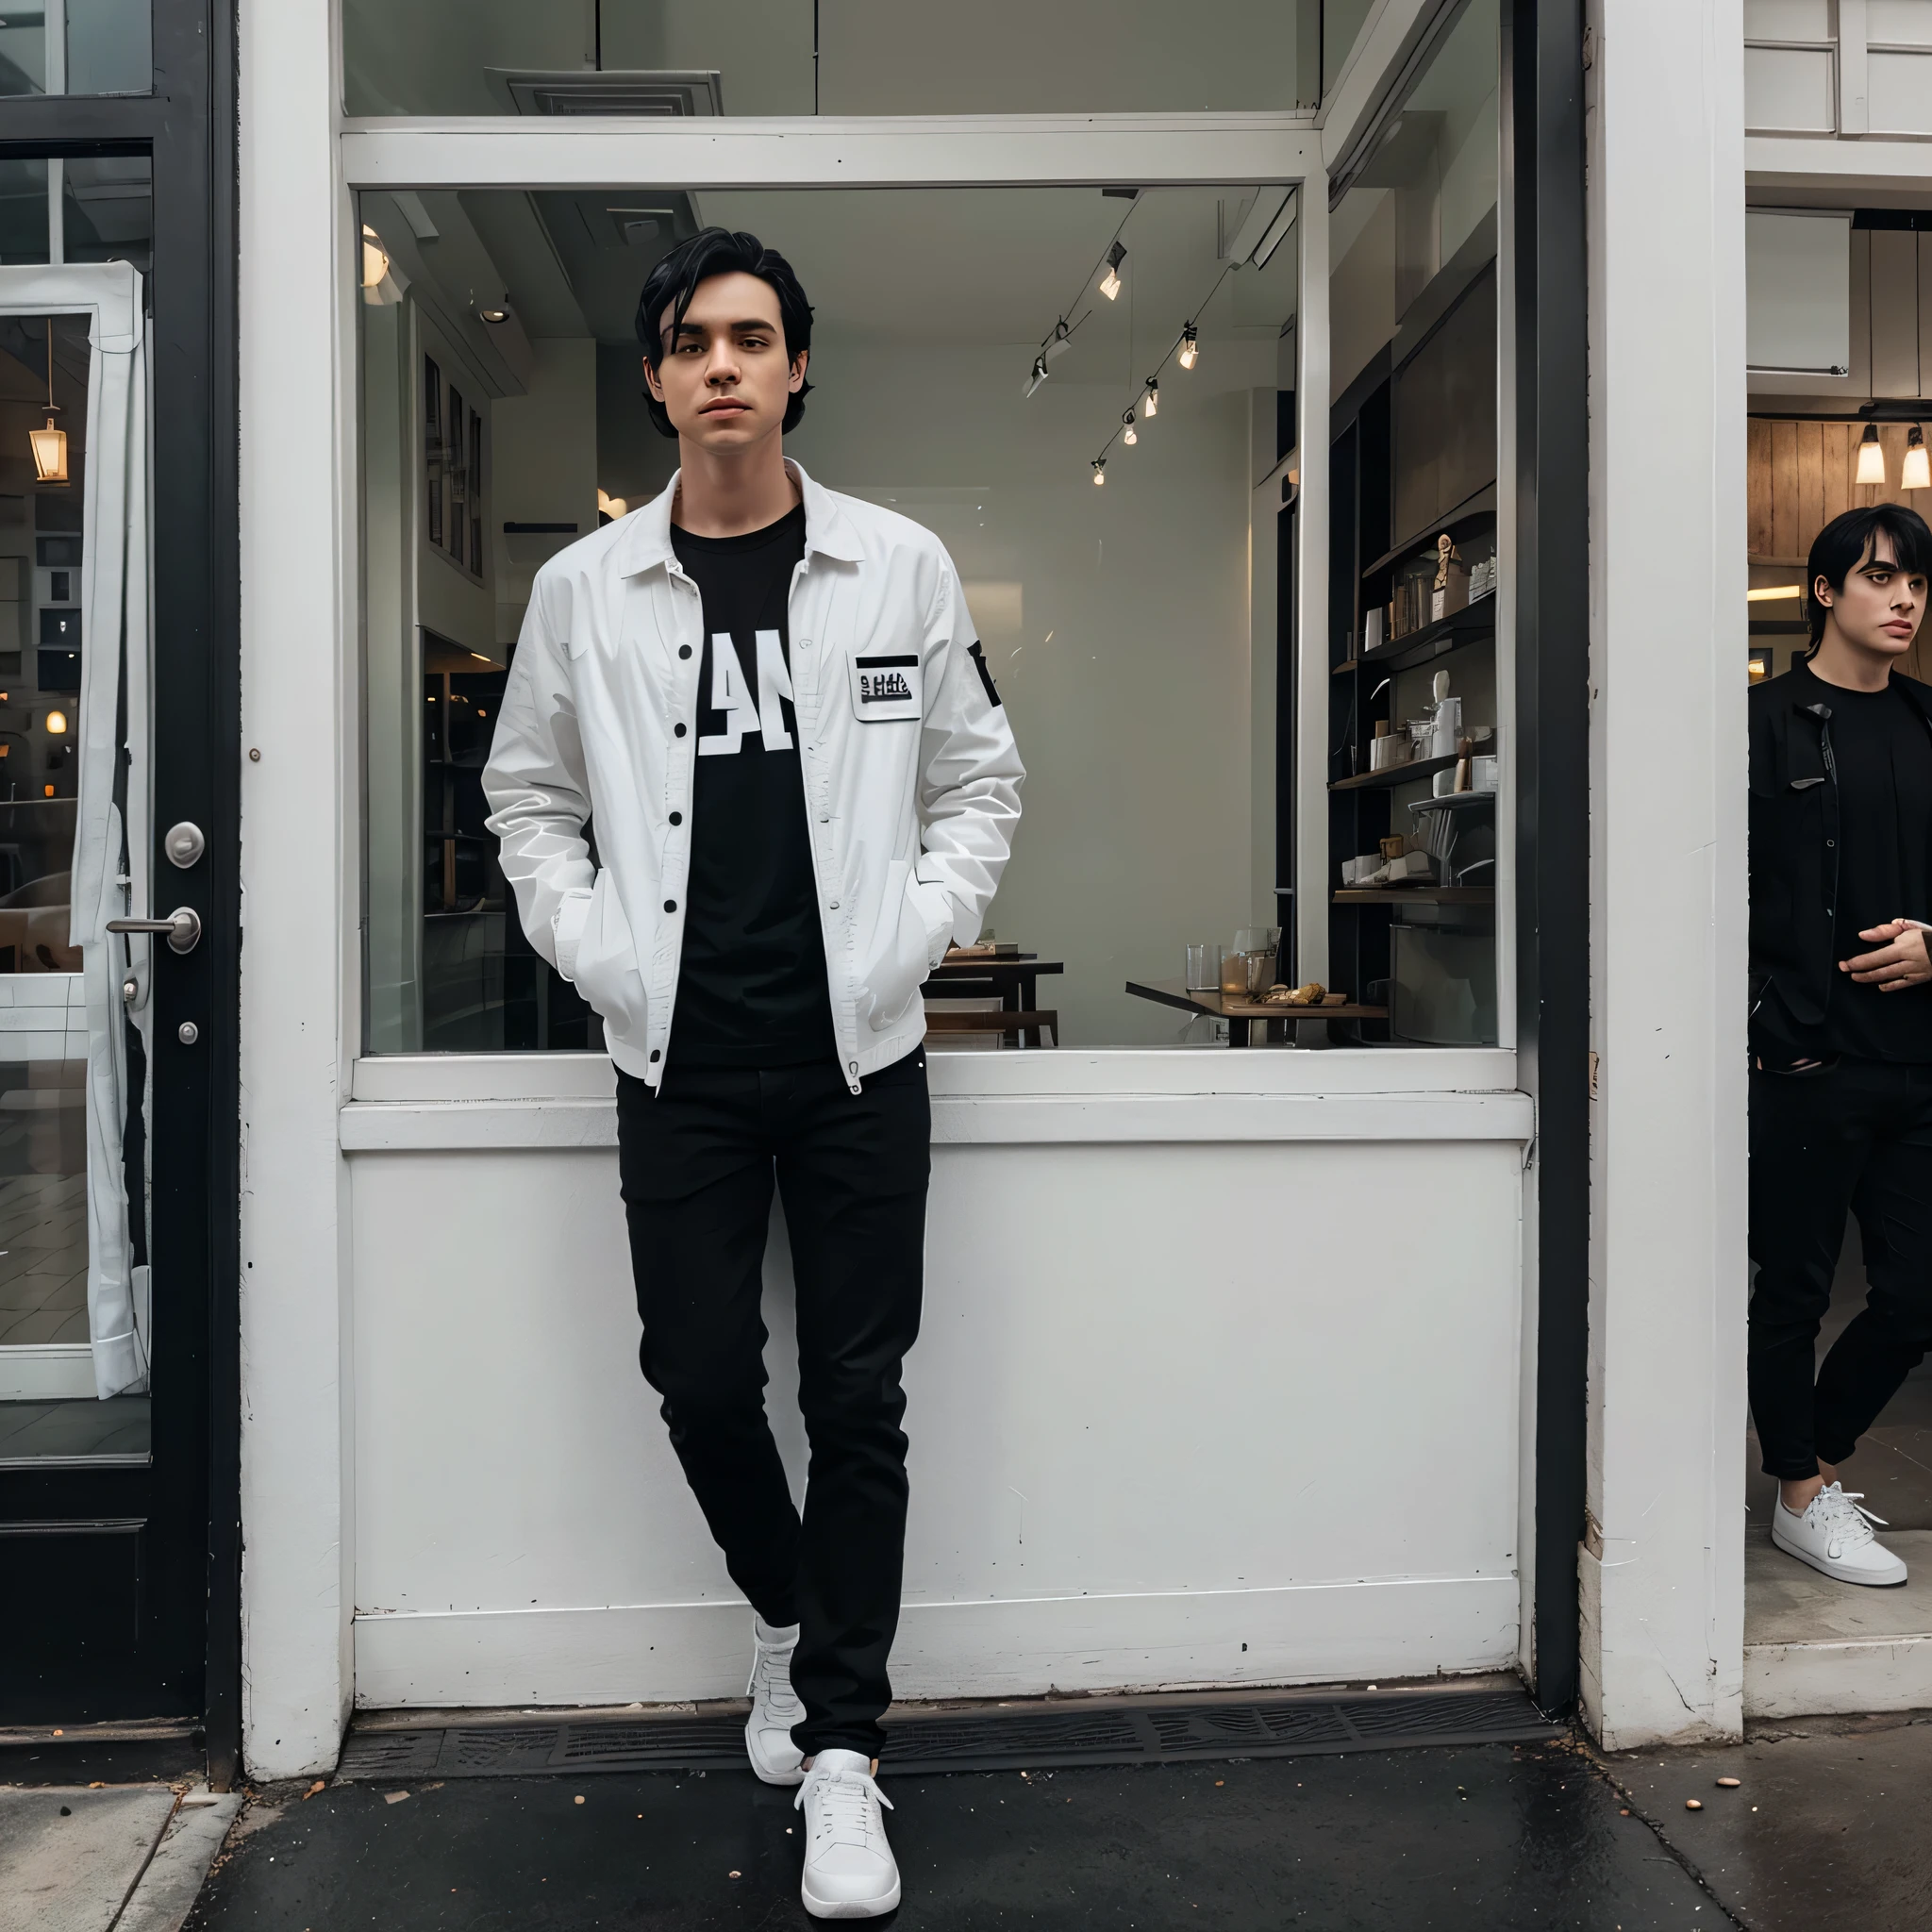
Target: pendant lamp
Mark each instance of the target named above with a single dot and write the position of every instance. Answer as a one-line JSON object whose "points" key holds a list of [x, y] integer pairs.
{"points": [[49, 444], [1871, 459], [1916, 472]]}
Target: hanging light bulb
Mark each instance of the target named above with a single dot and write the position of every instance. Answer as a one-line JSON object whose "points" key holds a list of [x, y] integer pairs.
{"points": [[1917, 471], [1129, 434], [1035, 376], [1150, 403], [1871, 459], [1099, 470], [49, 446], [1111, 281], [1191, 347]]}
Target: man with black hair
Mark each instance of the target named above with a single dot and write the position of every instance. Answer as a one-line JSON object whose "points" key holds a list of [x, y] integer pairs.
{"points": [[770, 701], [1841, 1027]]}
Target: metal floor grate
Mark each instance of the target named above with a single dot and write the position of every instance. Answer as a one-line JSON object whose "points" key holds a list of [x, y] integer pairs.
{"points": [[1160, 1731]]}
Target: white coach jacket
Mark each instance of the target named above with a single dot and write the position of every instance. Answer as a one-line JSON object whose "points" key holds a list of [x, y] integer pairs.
{"points": [[912, 776]]}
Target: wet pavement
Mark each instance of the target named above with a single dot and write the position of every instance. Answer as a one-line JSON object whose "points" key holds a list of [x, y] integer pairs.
{"points": [[1484, 1839]]}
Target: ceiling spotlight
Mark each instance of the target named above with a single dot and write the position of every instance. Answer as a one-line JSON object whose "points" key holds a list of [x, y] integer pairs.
{"points": [[1191, 347], [1150, 403], [493, 316], [1129, 434], [375, 257], [56, 723], [1099, 470], [1035, 376], [1871, 459], [1917, 472], [1111, 281]]}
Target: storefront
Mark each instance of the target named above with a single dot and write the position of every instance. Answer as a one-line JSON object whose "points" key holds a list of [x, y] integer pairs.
{"points": [[1240, 365]]}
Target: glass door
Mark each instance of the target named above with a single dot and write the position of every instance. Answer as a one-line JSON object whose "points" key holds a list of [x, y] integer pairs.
{"points": [[79, 956]]}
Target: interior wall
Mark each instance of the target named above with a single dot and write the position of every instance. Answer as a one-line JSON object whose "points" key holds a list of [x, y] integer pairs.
{"points": [[1116, 623], [544, 470]]}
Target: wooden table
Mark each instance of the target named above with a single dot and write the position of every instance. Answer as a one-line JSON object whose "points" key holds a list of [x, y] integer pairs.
{"points": [[1012, 979], [1240, 1013]]}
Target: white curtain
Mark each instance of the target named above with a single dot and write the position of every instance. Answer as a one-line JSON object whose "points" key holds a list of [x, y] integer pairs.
{"points": [[109, 871]]}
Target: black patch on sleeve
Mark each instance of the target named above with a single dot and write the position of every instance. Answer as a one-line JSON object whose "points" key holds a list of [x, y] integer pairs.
{"points": [[978, 651]]}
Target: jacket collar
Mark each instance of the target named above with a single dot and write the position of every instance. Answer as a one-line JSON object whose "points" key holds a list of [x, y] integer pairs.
{"points": [[646, 542]]}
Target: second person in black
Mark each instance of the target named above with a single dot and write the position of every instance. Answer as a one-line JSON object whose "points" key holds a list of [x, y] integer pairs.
{"points": [[1842, 1028]]}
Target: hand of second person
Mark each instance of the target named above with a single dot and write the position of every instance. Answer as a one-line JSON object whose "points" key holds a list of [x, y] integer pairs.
{"points": [[1902, 963]]}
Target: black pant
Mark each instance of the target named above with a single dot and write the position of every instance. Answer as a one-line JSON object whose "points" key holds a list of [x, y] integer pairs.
{"points": [[697, 1164], [1853, 1135]]}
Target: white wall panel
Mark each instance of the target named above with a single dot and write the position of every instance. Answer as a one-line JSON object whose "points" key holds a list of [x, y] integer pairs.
{"points": [[1788, 19], [1896, 23], [1900, 92], [1207, 1384], [1788, 90]]}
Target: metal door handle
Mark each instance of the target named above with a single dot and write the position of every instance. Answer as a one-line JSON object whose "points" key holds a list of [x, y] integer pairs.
{"points": [[182, 927]]}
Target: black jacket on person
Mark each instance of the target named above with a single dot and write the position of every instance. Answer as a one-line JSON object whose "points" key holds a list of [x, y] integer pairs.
{"points": [[1794, 857]]}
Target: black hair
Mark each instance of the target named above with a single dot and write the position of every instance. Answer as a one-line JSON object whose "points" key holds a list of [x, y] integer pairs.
{"points": [[674, 280], [1844, 544]]}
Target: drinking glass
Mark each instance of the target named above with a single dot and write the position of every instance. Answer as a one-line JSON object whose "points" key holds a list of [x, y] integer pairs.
{"points": [[1204, 968]]}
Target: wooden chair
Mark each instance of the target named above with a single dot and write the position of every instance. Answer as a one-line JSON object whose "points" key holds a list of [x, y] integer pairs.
{"points": [[1044, 1025]]}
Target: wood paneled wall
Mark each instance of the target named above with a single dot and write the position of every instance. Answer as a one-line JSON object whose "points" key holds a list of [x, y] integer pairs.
{"points": [[1801, 477]]}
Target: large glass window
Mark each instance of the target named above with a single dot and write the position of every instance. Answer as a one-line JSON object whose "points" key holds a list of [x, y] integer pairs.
{"points": [[78, 47], [1418, 745], [1134, 625], [832, 57]]}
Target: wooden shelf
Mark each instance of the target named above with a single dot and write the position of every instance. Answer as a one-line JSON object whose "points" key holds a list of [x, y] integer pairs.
{"points": [[1482, 503], [1395, 775], [1429, 895], [1475, 621], [1347, 664]]}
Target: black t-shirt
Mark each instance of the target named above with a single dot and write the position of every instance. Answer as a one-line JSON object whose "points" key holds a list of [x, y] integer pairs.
{"points": [[751, 988], [1882, 753]]}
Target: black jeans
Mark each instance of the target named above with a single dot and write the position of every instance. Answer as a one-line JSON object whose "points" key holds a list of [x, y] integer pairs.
{"points": [[697, 1163], [1853, 1135]]}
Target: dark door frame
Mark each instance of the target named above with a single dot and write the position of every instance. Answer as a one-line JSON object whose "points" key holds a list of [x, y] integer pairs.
{"points": [[1543, 203], [193, 1581]]}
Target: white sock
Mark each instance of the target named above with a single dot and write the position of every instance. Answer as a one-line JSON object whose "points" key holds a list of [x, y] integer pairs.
{"points": [[774, 1636]]}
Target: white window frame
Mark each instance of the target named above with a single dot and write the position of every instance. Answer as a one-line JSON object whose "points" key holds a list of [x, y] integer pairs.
{"points": [[975, 151]]}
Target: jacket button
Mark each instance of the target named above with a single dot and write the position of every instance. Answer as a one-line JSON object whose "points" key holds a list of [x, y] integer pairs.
{"points": [[1830, 843], [671, 904], [656, 1055], [677, 818], [835, 905], [677, 731], [684, 650]]}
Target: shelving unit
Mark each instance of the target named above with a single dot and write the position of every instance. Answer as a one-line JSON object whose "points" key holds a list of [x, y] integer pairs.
{"points": [[1413, 455]]}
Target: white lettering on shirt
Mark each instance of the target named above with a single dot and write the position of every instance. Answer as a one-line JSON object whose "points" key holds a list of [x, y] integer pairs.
{"points": [[732, 696]]}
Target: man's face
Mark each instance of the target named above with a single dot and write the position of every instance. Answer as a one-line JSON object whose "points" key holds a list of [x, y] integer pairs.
{"points": [[724, 381], [1880, 605]]}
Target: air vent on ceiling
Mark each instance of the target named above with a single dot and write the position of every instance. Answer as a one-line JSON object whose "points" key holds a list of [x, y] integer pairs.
{"points": [[647, 94]]}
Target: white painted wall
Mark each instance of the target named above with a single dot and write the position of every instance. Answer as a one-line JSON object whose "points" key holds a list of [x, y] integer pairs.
{"points": [[1116, 621], [298, 960], [1172, 1422], [1662, 1641]]}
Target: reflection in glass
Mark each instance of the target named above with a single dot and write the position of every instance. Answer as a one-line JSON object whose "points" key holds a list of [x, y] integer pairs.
{"points": [[22, 212], [48, 1409], [873, 56], [1133, 632], [78, 47], [108, 210]]}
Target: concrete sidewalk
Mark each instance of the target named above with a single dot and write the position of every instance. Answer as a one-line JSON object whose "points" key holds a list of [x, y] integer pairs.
{"points": [[113, 1859]]}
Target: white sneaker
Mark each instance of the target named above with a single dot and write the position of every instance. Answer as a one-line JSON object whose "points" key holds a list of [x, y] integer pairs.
{"points": [[1834, 1535], [774, 1705], [849, 1869]]}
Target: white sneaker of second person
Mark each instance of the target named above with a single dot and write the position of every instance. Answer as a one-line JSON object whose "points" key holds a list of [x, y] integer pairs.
{"points": [[1835, 1536]]}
